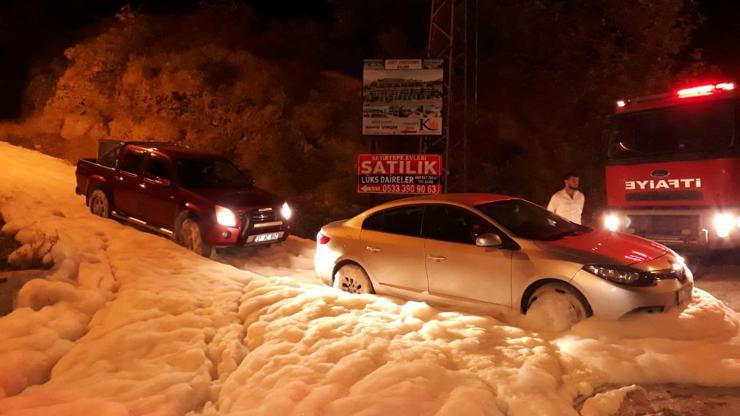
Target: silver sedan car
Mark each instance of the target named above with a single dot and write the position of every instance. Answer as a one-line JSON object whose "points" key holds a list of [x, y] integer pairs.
{"points": [[489, 252]]}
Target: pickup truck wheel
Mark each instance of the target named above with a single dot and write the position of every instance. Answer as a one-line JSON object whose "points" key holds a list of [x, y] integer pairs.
{"points": [[190, 237], [99, 204]]}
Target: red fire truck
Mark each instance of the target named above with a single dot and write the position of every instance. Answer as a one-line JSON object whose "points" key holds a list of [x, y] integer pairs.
{"points": [[673, 171]]}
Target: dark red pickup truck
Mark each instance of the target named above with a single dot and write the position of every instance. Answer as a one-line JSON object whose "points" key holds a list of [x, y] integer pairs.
{"points": [[201, 200]]}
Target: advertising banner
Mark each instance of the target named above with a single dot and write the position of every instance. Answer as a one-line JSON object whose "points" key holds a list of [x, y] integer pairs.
{"points": [[399, 174], [402, 97]]}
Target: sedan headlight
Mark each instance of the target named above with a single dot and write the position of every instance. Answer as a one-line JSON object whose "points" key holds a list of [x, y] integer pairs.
{"points": [[286, 211], [622, 275], [225, 216]]}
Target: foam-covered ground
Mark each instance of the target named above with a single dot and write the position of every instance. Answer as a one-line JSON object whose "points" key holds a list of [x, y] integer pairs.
{"points": [[129, 323]]}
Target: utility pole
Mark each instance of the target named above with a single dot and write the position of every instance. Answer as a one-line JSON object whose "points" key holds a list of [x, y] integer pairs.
{"points": [[453, 36]]}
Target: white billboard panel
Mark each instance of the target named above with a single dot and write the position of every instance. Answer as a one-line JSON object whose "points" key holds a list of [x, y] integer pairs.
{"points": [[402, 97]]}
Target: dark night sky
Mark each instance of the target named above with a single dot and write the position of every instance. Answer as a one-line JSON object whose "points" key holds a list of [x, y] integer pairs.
{"points": [[719, 35], [29, 29]]}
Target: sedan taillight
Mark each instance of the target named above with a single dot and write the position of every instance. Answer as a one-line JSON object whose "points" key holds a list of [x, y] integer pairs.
{"points": [[322, 239]]}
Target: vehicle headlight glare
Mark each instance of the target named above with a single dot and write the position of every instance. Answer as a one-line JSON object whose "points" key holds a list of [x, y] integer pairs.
{"points": [[286, 211], [624, 276], [611, 222], [225, 216], [723, 224]]}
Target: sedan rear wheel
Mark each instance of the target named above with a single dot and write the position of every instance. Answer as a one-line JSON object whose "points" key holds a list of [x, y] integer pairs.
{"points": [[557, 307], [352, 278]]}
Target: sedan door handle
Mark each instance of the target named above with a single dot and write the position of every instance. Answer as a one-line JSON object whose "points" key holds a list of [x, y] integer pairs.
{"points": [[372, 249], [437, 258], [142, 185]]}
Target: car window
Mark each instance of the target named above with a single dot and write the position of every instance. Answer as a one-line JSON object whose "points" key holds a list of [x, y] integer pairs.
{"points": [[403, 221], [527, 220], [210, 173], [132, 161], [158, 167], [454, 224]]}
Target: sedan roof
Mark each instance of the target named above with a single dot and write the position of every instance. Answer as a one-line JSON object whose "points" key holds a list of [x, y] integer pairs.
{"points": [[464, 199], [470, 200]]}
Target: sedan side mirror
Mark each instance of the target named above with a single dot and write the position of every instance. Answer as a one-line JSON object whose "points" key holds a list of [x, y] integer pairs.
{"points": [[488, 240]]}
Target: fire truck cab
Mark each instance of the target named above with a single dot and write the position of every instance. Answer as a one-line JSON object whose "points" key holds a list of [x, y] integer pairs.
{"points": [[673, 168]]}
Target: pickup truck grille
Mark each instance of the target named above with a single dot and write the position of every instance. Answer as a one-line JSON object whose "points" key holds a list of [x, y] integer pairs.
{"points": [[262, 215], [258, 221]]}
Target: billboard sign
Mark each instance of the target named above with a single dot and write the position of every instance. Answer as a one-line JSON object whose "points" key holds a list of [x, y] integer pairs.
{"points": [[402, 97], [399, 174]]}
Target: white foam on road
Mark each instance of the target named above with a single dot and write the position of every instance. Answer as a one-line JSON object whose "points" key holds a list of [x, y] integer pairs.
{"points": [[130, 323]]}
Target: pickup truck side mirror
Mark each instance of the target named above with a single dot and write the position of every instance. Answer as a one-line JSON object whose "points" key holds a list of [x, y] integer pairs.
{"points": [[158, 180], [488, 240], [163, 181], [248, 177]]}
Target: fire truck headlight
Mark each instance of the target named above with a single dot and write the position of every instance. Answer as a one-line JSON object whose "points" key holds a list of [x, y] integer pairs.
{"points": [[723, 224], [611, 222]]}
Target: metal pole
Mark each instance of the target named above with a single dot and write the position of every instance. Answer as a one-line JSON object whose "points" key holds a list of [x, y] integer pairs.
{"points": [[450, 93], [373, 199], [464, 117]]}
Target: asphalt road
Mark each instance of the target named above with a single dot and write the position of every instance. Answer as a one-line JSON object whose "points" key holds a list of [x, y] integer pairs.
{"points": [[722, 280]]}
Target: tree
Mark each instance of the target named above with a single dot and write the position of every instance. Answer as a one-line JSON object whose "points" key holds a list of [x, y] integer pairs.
{"points": [[263, 91], [549, 74]]}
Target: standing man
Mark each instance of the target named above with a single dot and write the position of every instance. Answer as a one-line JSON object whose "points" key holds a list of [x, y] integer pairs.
{"points": [[568, 202]]}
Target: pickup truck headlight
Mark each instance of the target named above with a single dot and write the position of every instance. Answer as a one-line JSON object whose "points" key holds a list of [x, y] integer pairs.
{"points": [[622, 275], [286, 211], [225, 216]]}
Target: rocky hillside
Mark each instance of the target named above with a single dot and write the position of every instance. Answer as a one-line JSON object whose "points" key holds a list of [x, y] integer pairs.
{"points": [[193, 80]]}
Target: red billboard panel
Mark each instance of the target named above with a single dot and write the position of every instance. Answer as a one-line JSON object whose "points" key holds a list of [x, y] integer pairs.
{"points": [[399, 174]]}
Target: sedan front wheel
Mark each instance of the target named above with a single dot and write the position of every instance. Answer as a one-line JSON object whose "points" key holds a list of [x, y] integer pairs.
{"points": [[352, 279], [556, 307]]}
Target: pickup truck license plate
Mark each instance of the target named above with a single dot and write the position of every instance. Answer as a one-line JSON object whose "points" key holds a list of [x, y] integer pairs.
{"points": [[261, 238], [683, 294]]}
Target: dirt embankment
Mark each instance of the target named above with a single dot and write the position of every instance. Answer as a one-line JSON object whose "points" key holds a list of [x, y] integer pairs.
{"points": [[674, 400]]}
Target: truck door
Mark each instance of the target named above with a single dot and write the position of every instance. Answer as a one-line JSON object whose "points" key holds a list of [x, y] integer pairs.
{"points": [[158, 204], [127, 179]]}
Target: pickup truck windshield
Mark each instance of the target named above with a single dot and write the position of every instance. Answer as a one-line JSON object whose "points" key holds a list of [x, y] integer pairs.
{"points": [[210, 173], [702, 127], [527, 220]]}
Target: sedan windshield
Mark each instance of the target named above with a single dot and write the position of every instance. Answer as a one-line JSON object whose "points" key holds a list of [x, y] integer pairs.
{"points": [[527, 220], [210, 173], [703, 127]]}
